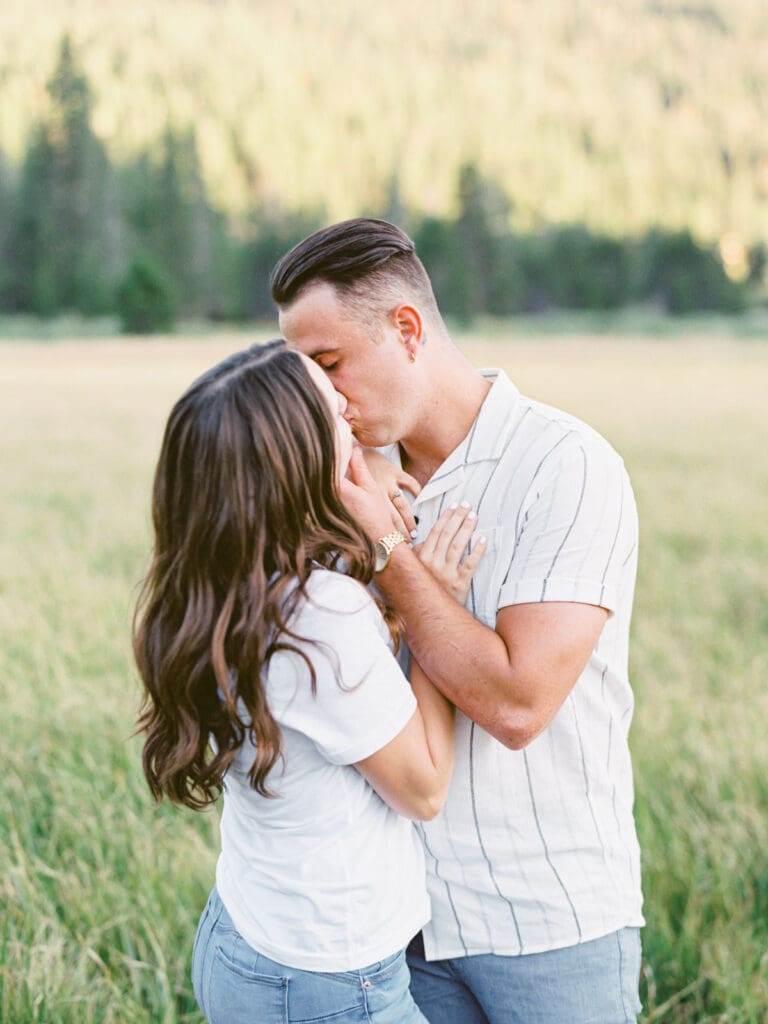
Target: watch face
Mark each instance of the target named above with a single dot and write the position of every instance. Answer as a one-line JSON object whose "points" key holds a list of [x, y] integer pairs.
{"points": [[382, 556]]}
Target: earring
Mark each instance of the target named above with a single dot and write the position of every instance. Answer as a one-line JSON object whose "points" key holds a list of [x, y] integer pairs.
{"points": [[412, 357]]}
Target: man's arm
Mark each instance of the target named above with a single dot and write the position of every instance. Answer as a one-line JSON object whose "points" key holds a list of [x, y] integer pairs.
{"points": [[511, 680]]}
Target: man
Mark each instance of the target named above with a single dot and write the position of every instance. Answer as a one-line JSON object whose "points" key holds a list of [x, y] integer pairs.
{"points": [[534, 862]]}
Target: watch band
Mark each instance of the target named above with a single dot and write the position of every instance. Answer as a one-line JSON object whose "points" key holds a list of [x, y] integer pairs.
{"points": [[391, 540], [384, 547]]}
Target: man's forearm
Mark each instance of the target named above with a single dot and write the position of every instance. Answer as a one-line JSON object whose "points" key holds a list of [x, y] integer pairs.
{"points": [[510, 679], [467, 661]]}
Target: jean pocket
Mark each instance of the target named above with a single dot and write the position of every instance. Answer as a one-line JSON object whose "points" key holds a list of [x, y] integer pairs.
{"points": [[200, 953], [385, 968], [237, 995], [315, 997], [201, 927]]}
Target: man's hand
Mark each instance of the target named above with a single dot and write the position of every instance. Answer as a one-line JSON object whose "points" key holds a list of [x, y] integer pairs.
{"points": [[392, 480], [443, 550], [366, 501]]}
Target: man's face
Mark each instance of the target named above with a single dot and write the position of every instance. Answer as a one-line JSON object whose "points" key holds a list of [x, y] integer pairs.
{"points": [[369, 366]]}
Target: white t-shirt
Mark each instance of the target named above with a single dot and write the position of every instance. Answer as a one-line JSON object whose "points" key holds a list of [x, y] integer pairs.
{"points": [[536, 849], [325, 876]]}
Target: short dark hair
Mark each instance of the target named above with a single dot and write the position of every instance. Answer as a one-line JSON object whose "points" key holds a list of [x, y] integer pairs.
{"points": [[364, 259]]}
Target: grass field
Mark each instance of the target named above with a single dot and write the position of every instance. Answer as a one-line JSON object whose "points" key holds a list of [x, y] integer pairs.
{"points": [[100, 890]]}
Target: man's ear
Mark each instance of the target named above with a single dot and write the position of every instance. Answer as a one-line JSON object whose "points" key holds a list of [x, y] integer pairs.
{"points": [[407, 320]]}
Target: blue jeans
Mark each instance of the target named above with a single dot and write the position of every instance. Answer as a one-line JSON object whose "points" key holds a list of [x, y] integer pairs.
{"points": [[236, 985], [592, 983]]}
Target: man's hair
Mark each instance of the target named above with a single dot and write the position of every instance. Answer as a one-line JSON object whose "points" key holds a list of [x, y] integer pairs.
{"points": [[371, 263]]}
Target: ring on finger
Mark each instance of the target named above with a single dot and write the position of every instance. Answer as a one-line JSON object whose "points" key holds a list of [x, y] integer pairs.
{"points": [[396, 493]]}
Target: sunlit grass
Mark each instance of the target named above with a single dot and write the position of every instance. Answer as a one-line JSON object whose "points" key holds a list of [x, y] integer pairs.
{"points": [[100, 891]]}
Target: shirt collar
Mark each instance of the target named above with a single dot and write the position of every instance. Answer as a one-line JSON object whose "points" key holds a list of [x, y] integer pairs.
{"points": [[486, 439]]}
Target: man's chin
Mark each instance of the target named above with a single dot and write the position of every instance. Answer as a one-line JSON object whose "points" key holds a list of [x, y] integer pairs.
{"points": [[373, 438]]}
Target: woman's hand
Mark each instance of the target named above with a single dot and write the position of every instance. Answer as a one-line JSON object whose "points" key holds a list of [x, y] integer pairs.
{"points": [[443, 550], [392, 480]]}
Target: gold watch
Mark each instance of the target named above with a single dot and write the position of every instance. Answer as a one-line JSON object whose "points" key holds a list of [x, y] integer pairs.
{"points": [[384, 548]]}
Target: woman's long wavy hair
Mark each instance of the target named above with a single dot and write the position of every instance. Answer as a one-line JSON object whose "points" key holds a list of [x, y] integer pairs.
{"points": [[244, 506]]}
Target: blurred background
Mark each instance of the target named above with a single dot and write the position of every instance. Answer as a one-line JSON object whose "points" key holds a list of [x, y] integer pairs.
{"points": [[587, 184], [157, 157]]}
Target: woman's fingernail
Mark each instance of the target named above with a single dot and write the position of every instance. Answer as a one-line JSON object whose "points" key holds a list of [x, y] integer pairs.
{"points": [[414, 533], [465, 504], [452, 506], [481, 540], [472, 514]]}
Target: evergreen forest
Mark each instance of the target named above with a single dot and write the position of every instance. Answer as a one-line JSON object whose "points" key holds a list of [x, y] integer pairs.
{"points": [[156, 158]]}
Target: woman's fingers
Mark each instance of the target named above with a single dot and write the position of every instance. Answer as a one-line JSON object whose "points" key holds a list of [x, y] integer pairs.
{"points": [[444, 550], [404, 512], [471, 562], [446, 542], [438, 537], [457, 545], [430, 541], [450, 528]]}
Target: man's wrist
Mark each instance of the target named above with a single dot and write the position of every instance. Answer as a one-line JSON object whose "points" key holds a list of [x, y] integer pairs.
{"points": [[383, 548]]}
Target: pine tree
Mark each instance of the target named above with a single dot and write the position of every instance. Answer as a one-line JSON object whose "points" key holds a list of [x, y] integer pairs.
{"points": [[172, 220], [145, 299], [32, 247], [8, 201], [481, 224], [66, 241]]}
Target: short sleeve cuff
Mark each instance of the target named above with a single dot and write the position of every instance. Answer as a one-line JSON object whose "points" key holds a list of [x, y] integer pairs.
{"points": [[377, 734], [556, 588]]}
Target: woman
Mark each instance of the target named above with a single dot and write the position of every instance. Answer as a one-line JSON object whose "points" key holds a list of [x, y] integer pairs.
{"points": [[269, 674]]}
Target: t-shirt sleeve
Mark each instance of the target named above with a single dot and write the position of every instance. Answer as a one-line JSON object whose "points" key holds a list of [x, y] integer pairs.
{"points": [[576, 531], [362, 700]]}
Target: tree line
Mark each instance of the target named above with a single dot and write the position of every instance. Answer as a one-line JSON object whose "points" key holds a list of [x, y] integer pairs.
{"points": [[143, 239], [621, 115]]}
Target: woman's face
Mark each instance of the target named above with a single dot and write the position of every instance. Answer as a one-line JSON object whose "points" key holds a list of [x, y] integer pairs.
{"points": [[338, 405]]}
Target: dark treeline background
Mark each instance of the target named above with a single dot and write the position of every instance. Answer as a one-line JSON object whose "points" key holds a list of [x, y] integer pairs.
{"points": [[149, 230]]}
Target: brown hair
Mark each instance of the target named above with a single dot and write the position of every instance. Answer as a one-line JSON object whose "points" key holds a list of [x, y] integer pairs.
{"points": [[244, 508], [371, 263]]}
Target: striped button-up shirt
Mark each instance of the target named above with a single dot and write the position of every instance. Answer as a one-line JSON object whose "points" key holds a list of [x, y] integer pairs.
{"points": [[536, 849]]}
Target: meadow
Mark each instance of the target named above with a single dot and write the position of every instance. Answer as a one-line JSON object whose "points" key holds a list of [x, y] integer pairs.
{"points": [[100, 890]]}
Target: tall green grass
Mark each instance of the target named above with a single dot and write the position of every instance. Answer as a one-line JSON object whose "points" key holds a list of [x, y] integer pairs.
{"points": [[100, 890]]}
